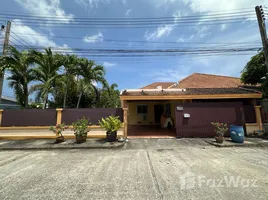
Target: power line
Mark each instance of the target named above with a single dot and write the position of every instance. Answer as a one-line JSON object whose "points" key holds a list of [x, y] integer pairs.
{"points": [[102, 22], [136, 23], [183, 49], [132, 41], [128, 23], [22, 45], [227, 12], [20, 38], [128, 26]]}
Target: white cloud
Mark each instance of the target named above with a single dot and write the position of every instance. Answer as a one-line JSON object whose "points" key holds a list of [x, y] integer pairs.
{"points": [[29, 35], [89, 4], [203, 31], [94, 38], [159, 33], [26, 37], [172, 74], [181, 39], [128, 12], [186, 39], [177, 15], [223, 5], [124, 2], [223, 27], [108, 64], [46, 8]]}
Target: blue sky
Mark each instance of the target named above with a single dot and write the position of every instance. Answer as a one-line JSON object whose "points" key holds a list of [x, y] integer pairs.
{"points": [[137, 72]]}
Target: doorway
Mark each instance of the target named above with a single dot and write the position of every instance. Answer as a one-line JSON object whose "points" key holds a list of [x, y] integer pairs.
{"points": [[158, 111]]}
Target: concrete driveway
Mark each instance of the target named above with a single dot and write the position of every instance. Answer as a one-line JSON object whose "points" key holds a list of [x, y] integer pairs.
{"points": [[136, 172]]}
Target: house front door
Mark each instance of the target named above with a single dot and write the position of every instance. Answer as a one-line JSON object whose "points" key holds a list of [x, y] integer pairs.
{"points": [[158, 111]]}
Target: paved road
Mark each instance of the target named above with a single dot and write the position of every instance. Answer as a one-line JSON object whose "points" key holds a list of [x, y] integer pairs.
{"points": [[138, 171]]}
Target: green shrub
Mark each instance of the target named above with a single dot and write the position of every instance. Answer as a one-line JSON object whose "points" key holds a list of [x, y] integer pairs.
{"points": [[220, 128], [81, 127], [111, 123], [58, 129]]}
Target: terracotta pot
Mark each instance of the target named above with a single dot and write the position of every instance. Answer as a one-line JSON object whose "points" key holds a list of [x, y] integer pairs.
{"points": [[80, 139], [60, 139], [111, 136], [219, 139]]}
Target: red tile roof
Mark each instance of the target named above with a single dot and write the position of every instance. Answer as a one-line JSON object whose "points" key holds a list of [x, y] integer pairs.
{"points": [[198, 80], [154, 85], [191, 91]]}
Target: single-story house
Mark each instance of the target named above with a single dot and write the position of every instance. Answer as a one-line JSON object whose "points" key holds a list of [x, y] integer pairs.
{"points": [[8, 102], [189, 106]]}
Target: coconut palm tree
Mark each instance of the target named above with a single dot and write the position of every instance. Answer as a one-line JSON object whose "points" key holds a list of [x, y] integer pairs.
{"points": [[91, 74], [46, 73], [18, 64], [70, 65]]}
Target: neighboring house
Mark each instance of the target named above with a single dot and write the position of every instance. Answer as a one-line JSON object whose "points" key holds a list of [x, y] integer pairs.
{"points": [[195, 95], [8, 102]]}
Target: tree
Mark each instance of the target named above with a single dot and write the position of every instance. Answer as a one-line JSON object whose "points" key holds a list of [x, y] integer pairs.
{"points": [[255, 72], [70, 64], [109, 97], [91, 74], [46, 72], [19, 66]]}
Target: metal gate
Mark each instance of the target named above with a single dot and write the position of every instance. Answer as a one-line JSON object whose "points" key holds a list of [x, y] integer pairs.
{"points": [[194, 119]]}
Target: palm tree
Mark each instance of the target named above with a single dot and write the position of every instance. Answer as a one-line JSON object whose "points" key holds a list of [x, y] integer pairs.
{"points": [[19, 65], [91, 75], [46, 72], [109, 97], [70, 64]]}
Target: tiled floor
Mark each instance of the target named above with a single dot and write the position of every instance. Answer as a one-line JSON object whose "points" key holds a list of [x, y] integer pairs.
{"points": [[152, 131]]}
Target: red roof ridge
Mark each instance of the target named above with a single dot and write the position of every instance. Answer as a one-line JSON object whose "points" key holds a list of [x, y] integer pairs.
{"points": [[207, 75], [187, 77]]}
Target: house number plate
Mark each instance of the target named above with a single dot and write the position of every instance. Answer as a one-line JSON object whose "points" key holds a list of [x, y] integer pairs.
{"points": [[179, 108]]}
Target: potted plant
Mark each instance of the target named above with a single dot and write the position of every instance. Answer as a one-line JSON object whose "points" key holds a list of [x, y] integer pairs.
{"points": [[81, 128], [58, 129], [220, 129], [111, 124]]}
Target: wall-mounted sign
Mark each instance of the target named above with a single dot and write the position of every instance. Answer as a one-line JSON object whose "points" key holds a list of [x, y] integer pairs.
{"points": [[186, 115], [179, 108]]}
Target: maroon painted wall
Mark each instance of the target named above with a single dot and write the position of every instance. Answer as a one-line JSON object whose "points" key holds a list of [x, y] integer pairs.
{"points": [[250, 115], [29, 117], [93, 114], [201, 116]]}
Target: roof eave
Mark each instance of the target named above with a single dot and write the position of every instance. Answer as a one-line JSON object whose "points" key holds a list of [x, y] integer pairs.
{"points": [[182, 97]]}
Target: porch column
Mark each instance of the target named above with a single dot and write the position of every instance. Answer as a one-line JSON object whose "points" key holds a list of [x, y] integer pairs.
{"points": [[125, 121], [258, 116], [59, 115], [1, 114]]}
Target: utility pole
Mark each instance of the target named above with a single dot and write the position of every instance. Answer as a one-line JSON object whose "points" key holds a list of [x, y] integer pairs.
{"points": [[261, 22], [5, 47]]}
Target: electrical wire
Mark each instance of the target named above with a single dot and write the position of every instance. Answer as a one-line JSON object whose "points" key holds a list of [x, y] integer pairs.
{"points": [[211, 14], [22, 45], [127, 27], [209, 19], [137, 22], [27, 44], [135, 41]]}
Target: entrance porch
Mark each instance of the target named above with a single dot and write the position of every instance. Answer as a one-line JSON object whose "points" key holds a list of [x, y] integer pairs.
{"points": [[150, 131]]}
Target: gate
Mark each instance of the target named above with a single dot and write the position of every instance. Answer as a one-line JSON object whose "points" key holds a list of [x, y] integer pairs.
{"points": [[200, 116]]}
